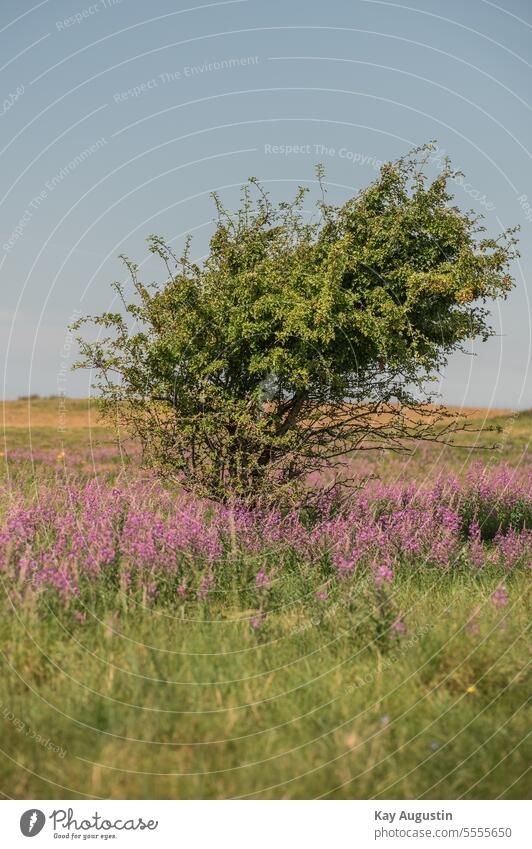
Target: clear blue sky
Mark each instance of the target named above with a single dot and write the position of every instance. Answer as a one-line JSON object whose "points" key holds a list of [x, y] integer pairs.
{"points": [[119, 118]]}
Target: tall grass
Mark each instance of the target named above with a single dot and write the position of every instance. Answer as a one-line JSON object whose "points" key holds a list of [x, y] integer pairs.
{"points": [[157, 646]]}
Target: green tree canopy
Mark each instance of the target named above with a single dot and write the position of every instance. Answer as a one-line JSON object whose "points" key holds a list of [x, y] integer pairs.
{"points": [[299, 338]]}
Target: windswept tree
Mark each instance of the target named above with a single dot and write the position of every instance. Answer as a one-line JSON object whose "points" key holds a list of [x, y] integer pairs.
{"points": [[299, 339]]}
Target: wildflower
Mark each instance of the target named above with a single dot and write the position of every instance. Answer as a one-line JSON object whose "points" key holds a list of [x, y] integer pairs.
{"points": [[512, 547], [207, 583], [384, 575], [472, 690], [262, 580], [434, 745], [322, 595], [473, 627], [385, 719], [60, 456], [476, 549], [399, 627], [345, 565], [257, 620], [500, 597]]}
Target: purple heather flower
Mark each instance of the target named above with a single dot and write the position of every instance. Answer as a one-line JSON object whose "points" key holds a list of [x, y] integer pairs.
{"points": [[256, 621], [80, 532], [262, 580], [344, 565], [476, 548], [500, 597], [384, 574], [207, 583]]}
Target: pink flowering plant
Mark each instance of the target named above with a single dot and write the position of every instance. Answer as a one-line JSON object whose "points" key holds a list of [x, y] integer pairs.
{"points": [[91, 544]]}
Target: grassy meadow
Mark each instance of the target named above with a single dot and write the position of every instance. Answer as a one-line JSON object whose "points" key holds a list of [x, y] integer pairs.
{"points": [[156, 647]]}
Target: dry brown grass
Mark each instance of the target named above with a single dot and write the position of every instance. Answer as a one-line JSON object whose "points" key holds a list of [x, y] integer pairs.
{"points": [[50, 412], [481, 412], [83, 413]]}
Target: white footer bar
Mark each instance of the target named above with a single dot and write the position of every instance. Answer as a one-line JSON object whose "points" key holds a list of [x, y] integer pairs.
{"points": [[265, 824]]}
